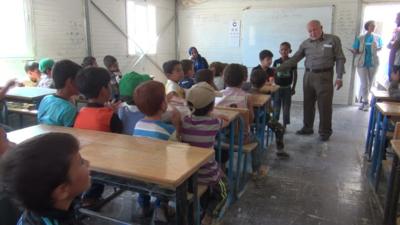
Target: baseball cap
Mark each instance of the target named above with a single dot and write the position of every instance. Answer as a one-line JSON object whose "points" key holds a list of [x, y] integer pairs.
{"points": [[130, 81], [201, 95], [45, 64]]}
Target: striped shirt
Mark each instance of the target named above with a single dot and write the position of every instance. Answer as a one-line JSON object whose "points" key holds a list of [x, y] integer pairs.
{"points": [[200, 131], [155, 129]]}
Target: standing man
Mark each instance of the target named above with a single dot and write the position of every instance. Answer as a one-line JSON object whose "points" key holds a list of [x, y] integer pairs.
{"points": [[394, 46], [321, 51]]}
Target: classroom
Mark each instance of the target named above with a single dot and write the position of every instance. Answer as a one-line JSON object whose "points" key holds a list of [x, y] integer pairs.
{"points": [[200, 112]]}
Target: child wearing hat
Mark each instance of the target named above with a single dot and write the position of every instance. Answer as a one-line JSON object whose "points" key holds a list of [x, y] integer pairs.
{"points": [[200, 129], [45, 67]]}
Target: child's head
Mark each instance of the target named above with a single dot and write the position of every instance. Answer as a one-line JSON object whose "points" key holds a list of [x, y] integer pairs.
{"points": [[205, 75], [111, 63], [32, 70], [234, 75], [258, 78], [150, 98], [45, 171], [201, 98], [395, 73], [266, 58], [129, 83], [94, 83], [89, 61], [173, 70], [217, 68], [46, 65], [187, 67], [245, 73], [64, 75], [285, 49]]}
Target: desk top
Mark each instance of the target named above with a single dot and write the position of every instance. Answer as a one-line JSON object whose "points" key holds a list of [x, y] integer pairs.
{"points": [[389, 108], [260, 99], [167, 164], [382, 95], [267, 89], [224, 111], [28, 93], [396, 146]]}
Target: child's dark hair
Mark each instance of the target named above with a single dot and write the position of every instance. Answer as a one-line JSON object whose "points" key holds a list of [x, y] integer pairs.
{"points": [[366, 25], [265, 54], [287, 44], [109, 60], [218, 67], [149, 97], [258, 78], [187, 65], [34, 169], [234, 75], [245, 72], [31, 66], [64, 70], [169, 66], [91, 80], [203, 111], [205, 75], [88, 61]]}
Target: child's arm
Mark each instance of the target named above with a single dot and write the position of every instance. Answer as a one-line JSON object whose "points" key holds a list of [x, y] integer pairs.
{"points": [[4, 90], [177, 123]]}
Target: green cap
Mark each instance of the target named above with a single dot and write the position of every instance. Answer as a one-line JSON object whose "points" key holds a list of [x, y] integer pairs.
{"points": [[45, 64], [130, 81]]}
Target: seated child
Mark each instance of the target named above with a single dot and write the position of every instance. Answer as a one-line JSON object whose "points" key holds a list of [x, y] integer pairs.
{"points": [[128, 112], [265, 57], [93, 83], [45, 67], [32, 70], [173, 72], [150, 98], [51, 166], [394, 90], [9, 213], [246, 86], [205, 75], [188, 72], [57, 109], [111, 63], [217, 68], [258, 80], [89, 61], [200, 130]]}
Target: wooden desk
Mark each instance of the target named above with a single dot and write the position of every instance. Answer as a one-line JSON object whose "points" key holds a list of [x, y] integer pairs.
{"points": [[393, 189], [382, 95], [260, 100], [268, 89], [28, 94], [389, 108], [231, 114]]}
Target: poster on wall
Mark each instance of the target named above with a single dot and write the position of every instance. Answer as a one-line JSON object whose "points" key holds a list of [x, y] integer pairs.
{"points": [[234, 33]]}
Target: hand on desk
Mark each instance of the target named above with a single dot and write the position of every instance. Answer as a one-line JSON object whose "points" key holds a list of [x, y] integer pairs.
{"points": [[114, 105]]}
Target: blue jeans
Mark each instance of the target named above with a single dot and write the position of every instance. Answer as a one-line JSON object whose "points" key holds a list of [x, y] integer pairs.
{"points": [[282, 99], [144, 200]]}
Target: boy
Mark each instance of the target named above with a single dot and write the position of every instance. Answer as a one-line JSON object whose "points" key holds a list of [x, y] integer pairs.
{"points": [[173, 72], [51, 166], [32, 70], [265, 57], [128, 113], [188, 72], [45, 67], [112, 66], [287, 82], [150, 98], [57, 109], [200, 130], [258, 80], [89, 61], [93, 83], [205, 75]]}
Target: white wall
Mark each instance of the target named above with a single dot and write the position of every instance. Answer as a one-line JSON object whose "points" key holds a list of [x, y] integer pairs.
{"points": [[206, 27]]}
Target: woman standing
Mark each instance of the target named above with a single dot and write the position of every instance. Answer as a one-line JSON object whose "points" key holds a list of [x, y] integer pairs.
{"points": [[198, 61], [366, 48]]}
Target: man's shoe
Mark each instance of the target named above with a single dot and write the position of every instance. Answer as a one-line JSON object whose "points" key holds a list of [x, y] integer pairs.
{"points": [[303, 131]]}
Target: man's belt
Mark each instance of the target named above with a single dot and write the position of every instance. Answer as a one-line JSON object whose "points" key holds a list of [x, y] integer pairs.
{"points": [[319, 70]]}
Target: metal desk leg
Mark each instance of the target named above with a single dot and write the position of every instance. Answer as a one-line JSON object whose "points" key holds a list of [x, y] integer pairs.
{"points": [[263, 124], [194, 213], [231, 158], [371, 126], [376, 146], [182, 204], [239, 159], [392, 195], [381, 152]]}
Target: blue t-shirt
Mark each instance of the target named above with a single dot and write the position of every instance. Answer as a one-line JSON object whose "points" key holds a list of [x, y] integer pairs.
{"points": [[369, 39], [186, 83], [155, 129], [54, 110], [129, 115]]}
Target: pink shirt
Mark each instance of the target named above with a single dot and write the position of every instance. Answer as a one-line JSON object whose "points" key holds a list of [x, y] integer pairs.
{"points": [[233, 97]]}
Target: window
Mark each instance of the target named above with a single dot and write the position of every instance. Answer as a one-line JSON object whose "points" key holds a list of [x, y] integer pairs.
{"points": [[141, 22], [15, 41]]}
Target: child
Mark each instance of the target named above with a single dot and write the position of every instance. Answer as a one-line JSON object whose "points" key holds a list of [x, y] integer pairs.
{"points": [[89, 61], [287, 85], [217, 68], [51, 166], [205, 75], [394, 90], [32, 70], [45, 67], [173, 72], [57, 109], [258, 80], [112, 66], [265, 57], [128, 113], [93, 83], [150, 98], [188, 71], [246, 86], [200, 130]]}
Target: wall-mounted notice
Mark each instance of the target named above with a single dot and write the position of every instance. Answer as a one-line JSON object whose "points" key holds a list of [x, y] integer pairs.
{"points": [[234, 33]]}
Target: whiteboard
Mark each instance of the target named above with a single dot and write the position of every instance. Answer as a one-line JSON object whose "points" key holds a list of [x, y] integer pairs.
{"points": [[267, 28]]}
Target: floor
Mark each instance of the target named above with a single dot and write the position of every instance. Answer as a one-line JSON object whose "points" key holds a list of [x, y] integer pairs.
{"points": [[323, 183]]}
